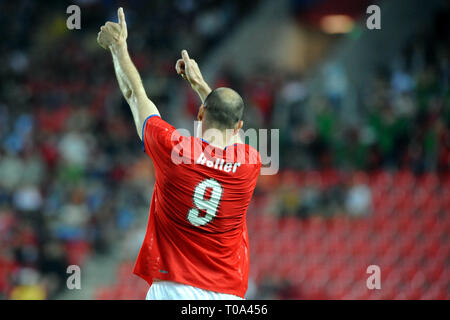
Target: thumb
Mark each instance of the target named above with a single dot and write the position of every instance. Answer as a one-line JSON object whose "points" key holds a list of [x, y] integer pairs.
{"points": [[121, 16]]}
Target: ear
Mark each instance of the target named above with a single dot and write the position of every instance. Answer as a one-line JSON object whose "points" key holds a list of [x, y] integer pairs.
{"points": [[201, 113], [238, 126]]}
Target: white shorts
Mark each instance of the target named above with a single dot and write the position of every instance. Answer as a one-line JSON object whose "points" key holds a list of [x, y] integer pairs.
{"points": [[168, 290]]}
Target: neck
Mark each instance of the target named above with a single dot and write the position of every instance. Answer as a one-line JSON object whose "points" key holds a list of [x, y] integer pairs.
{"points": [[221, 138]]}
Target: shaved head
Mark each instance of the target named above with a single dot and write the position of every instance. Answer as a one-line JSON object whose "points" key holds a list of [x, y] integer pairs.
{"points": [[223, 108]]}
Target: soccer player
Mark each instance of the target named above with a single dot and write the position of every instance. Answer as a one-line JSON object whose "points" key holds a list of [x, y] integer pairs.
{"points": [[196, 245]]}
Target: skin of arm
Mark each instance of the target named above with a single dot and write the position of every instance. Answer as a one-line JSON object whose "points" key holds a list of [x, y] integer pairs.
{"points": [[131, 86], [202, 90], [113, 38]]}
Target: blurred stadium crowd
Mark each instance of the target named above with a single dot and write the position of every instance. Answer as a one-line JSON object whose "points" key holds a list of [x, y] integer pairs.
{"points": [[74, 181]]}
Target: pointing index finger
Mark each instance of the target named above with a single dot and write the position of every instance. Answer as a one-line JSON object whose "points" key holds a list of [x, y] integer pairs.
{"points": [[185, 56]]}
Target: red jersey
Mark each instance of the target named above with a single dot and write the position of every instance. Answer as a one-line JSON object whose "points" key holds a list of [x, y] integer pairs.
{"points": [[197, 231]]}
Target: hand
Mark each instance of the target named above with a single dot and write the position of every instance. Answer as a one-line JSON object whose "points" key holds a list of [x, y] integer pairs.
{"points": [[113, 34], [189, 70]]}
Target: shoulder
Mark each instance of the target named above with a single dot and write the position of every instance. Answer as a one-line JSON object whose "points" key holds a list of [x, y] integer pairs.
{"points": [[245, 154], [156, 120], [154, 126]]}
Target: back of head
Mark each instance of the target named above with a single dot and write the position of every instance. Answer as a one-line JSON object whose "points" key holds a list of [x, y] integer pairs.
{"points": [[223, 108]]}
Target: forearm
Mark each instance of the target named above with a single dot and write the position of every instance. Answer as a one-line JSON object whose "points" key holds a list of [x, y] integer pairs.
{"points": [[131, 86], [123, 84], [202, 90]]}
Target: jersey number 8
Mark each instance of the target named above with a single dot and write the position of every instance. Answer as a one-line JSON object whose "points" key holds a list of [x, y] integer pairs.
{"points": [[210, 205]]}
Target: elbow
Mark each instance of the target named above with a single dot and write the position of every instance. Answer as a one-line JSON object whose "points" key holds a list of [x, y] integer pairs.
{"points": [[128, 93]]}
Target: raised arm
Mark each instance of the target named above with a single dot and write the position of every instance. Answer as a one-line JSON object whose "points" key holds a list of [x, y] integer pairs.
{"points": [[190, 71], [112, 37]]}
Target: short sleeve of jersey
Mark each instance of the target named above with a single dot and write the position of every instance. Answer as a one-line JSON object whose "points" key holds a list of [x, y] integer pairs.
{"points": [[158, 137]]}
